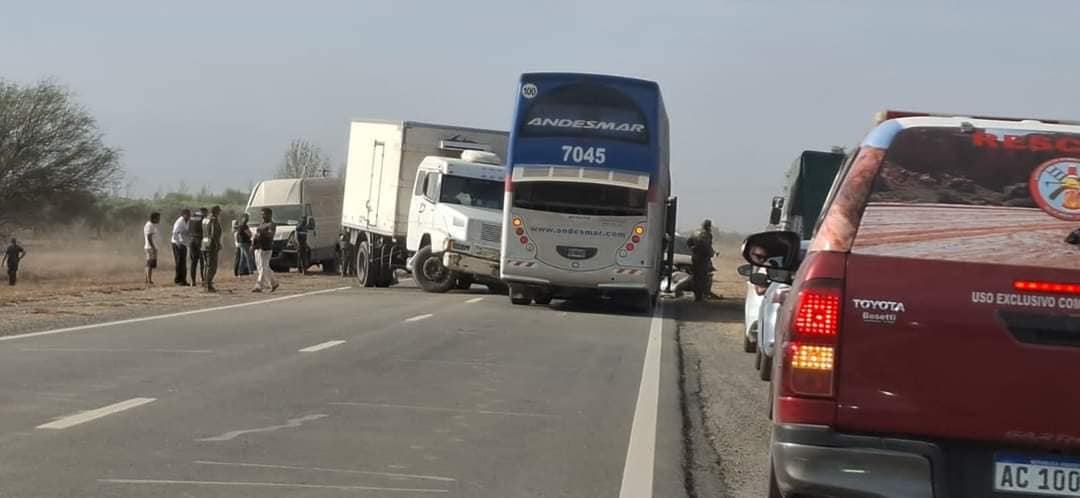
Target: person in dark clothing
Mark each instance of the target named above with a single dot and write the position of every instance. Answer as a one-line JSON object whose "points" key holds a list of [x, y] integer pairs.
{"points": [[701, 246], [264, 249], [303, 252], [211, 232], [346, 259], [195, 234], [244, 262], [12, 256]]}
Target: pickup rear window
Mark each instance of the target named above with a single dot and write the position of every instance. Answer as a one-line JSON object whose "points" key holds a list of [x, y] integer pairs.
{"points": [[999, 196]]}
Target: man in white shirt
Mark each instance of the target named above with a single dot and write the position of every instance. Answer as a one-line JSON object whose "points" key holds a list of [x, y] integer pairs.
{"points": [[181, 238], [150, 245]]}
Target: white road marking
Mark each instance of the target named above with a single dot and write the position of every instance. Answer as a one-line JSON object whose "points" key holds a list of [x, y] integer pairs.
{"points": [[269, 485], [296, 422], [115, 350], [637, 478], [475, 300], [417, 318], [160, 317], [323, 469], [79, 418], [321, 346], [440, 409]]}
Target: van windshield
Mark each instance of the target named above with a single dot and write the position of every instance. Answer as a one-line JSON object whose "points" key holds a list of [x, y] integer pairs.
{"points": [[996, 196], [473, 192], [283, 215], [581, 198]]}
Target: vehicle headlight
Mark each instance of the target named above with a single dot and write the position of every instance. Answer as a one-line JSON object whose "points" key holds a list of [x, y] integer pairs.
{"points": [[457, 245]]}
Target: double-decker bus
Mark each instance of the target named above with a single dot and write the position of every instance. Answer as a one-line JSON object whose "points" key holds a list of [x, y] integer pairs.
{"points": [[587, 185]]}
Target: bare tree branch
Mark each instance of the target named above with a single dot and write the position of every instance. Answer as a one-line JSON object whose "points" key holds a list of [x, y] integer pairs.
{"points": [[303, 159], [50, 151]]}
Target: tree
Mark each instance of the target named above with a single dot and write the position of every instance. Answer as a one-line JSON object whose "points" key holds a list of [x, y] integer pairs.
{"points": [[303, 159], [51, 151]]}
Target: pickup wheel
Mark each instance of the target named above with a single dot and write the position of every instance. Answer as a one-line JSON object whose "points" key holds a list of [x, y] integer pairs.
{"points": [[430, 273], [363, 265]]}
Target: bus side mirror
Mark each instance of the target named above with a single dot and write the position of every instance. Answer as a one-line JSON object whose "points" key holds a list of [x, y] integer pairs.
{"points": [[777, 210]]}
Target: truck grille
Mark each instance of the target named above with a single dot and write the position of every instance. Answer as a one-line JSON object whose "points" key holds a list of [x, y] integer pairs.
{"points": [[490, 233]]}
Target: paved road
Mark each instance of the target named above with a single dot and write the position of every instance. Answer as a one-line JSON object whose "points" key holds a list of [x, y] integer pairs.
{"points": [[347, 393]]}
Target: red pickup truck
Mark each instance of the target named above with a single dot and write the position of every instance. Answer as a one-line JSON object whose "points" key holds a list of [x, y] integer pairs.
{"points": [[930, 345]]}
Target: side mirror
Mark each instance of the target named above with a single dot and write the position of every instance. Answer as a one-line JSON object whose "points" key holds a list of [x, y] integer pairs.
{"points": [[760, 279], [780, 276], [775, 249], [777, 210], [745, 270]]}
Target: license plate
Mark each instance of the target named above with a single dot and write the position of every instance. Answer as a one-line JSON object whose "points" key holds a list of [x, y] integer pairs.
{"points": [[574, 253], [1046, 476]]}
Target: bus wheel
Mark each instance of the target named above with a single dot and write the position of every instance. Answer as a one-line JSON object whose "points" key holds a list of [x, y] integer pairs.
{"points": [[430, 273], [644, 303], [520, 295], [498, 288], [543, 297]]}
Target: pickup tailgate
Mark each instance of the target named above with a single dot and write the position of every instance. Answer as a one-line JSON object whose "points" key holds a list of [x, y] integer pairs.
{"points": [[962, 349]]}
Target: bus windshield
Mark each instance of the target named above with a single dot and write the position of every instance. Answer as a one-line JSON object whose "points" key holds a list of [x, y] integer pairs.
{"points": [[471, 192], [581, 198]]}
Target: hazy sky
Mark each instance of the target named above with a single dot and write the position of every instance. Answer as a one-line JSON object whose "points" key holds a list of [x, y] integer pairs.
{"points": [[212, 92]]}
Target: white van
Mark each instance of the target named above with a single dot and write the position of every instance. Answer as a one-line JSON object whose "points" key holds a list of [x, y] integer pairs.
{"points": [[317, 200]]}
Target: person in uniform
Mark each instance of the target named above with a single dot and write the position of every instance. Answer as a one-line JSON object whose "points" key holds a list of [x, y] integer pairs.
{"points": [[701, 247], [211, 247], [195, 226], [12, 256]]}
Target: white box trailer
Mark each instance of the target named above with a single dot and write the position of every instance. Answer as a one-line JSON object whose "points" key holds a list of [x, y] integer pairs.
{"points": [[381, 186]]}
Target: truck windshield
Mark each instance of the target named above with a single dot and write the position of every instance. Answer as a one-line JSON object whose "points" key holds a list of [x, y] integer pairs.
{"points": [[580, 198], [283, 215], [471, 192]]}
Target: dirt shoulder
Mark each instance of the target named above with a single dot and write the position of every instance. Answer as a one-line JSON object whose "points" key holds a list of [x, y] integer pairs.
{"points": [[34, 308], [725, 404]]}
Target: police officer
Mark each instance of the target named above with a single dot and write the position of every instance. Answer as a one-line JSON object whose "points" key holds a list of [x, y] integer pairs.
{"points": [[701, 246]]}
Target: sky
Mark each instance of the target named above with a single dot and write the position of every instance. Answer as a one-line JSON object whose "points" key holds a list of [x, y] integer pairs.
{"points": [[211, 93]]}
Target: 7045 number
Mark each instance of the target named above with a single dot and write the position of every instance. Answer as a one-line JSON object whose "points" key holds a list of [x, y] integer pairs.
{"points": [[591, 155]]}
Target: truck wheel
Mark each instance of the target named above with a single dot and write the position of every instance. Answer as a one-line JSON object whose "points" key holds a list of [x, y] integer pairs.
{"points": [[498, 288], [363, 265], [520, 295], [430, 273]]}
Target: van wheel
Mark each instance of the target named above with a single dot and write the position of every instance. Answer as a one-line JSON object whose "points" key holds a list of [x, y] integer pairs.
{"points": [[747, 346], [430, 273], [766, 368], [363, 265]]}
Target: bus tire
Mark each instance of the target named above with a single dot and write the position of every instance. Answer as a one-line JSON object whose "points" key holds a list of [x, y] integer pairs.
{"points": [[430, 273], [520, 295], [644, 303], [363, 265], [543, 297], [498, 289]]}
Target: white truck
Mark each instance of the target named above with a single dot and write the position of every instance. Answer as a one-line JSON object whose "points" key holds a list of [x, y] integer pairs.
{"points": [[293, 200], [426, 198]]}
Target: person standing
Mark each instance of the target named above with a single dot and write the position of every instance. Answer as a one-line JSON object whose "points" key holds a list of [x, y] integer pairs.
{"points": [[12, 256], [180, 241], [345, 255], [150, 232], [303, 252], [701, 246], [264, 248], [244, 259], [195, 226], [211, 246]]}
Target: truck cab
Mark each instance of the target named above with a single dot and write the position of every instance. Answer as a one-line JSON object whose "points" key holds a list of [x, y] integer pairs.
{"points": [[455, 221]]}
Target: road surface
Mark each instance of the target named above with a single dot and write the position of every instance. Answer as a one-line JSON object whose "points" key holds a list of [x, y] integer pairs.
{"points": [[352, 392]]}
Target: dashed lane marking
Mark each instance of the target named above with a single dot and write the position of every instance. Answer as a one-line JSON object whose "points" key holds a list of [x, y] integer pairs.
{"points": [[81, 418]]}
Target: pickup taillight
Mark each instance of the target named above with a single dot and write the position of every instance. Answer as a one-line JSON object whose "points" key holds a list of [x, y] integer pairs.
{"points": [[810, 350]]}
